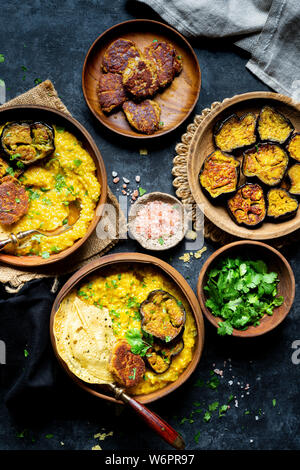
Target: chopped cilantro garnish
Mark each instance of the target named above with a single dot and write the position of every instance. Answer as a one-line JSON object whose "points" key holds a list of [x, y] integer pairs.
{"points": [[1, 58], [142, 191], [77, 162], [161, 241], [197, 436], [60, 129], [132, 377], [26, 353], [136, 341], [10, 171], [274, 401], [207, 417], [241, 292], [37, 81], [65, 221], [45, 254], [18, 200]]}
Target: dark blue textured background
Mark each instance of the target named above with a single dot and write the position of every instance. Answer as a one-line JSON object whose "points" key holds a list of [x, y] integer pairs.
{"points": [[51, 39]]}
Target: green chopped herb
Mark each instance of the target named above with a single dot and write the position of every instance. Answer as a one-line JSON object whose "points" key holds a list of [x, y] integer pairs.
{"points": [[168, 339], [155, 40], [241, 292], [142, 191], [161, 123], [161, 241], [45, 254], [26, 353], [207, 417], [60, 129], [222, 410], [10, 171], [2, 82], [138, 344], [274, 402], [20, 165], [24, 68], [213, 406], [132, 377], [197, 436], [77, 162], [54, 249], [18, 200], [65, 221], [37, 81], [49, 436], [1, 58]]}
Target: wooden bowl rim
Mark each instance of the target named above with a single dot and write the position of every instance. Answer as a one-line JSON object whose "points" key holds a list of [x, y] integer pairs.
{"points": [[178, 279], [159, 196], [235, 230], [99, 38], [200, 294], [33, 261]]}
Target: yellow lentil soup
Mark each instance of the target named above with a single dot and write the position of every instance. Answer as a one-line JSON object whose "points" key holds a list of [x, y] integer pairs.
{"points": [[121, 290], [68, 174]]}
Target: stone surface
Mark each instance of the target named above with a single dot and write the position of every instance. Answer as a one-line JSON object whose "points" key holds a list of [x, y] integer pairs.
{"points": [[52, 43]]}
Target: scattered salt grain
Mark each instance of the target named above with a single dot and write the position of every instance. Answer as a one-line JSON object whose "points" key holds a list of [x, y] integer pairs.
{"points": [[126, 180], [137, 178], [114, 174]]}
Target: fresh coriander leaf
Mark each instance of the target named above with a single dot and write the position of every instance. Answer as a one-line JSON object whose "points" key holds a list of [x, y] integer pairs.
{"points": [[45, 254], [142, 191]]}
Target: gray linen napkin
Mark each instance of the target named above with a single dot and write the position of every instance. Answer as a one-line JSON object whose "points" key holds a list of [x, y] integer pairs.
{"points": [[268, 29]]}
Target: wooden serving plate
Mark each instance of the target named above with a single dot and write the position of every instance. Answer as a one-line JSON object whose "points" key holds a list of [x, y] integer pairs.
{"points": [[202, 145], [275, 262], [176, 101], [24, 112], [169, 271]]}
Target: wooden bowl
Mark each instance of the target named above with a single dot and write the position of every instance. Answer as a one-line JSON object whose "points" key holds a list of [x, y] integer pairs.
{"points": [[177, 101], [144, 260], [150, 244], [15, 113], [275, 262], [202, 145]]}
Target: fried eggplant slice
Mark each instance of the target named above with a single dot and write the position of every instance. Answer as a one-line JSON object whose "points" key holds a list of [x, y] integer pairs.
{"points": [[27, 142], [144, 116], [293, 147], [294, 177], [272, 126], [159, 357], [140, 78], [235, 132], [117, 55], [281, 205], [110, 91], [267, 162], [166, 59], [14, 201], [163, 316], [248, 207], [219, 174], [127, 368]]}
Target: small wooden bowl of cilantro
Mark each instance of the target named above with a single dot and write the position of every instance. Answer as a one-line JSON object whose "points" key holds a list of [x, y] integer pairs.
{"points": [[246, 289]]}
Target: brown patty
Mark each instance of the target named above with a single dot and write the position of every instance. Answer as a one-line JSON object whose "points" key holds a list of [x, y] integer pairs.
{"points": [[128, 368], [117, 55], [110, 91], [140, 78], [143, 116], [167, 61], [13, 201]]}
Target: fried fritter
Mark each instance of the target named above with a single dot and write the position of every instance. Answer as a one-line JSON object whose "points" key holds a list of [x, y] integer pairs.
{"points": [[140, 78], [128, 368], [111, 92], [117, 55], [143, 116], [14, 200], [167, 61]]}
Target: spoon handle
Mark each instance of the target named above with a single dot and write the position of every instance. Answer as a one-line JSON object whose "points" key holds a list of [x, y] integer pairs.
{"points": [[15, 237], [163, 429]]}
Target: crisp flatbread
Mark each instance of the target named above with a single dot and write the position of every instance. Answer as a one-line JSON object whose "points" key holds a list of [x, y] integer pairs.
{"points": [[84, 339]]}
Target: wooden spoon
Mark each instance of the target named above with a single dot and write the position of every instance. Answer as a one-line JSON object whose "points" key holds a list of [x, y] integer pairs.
{"points": [[163, 429]]}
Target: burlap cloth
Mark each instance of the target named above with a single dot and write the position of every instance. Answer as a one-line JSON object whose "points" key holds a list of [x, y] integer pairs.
{"points": [[46, 95], [183, 191]]}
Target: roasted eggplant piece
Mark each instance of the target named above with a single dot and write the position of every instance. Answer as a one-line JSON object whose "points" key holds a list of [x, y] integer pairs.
{"points": [[236, 133], [267, 162], [281, 205], [27, 142], [294, 176], [293, 147], [272, 126], [159, 357], [248, 206], [163, 316], [219, 175]]}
